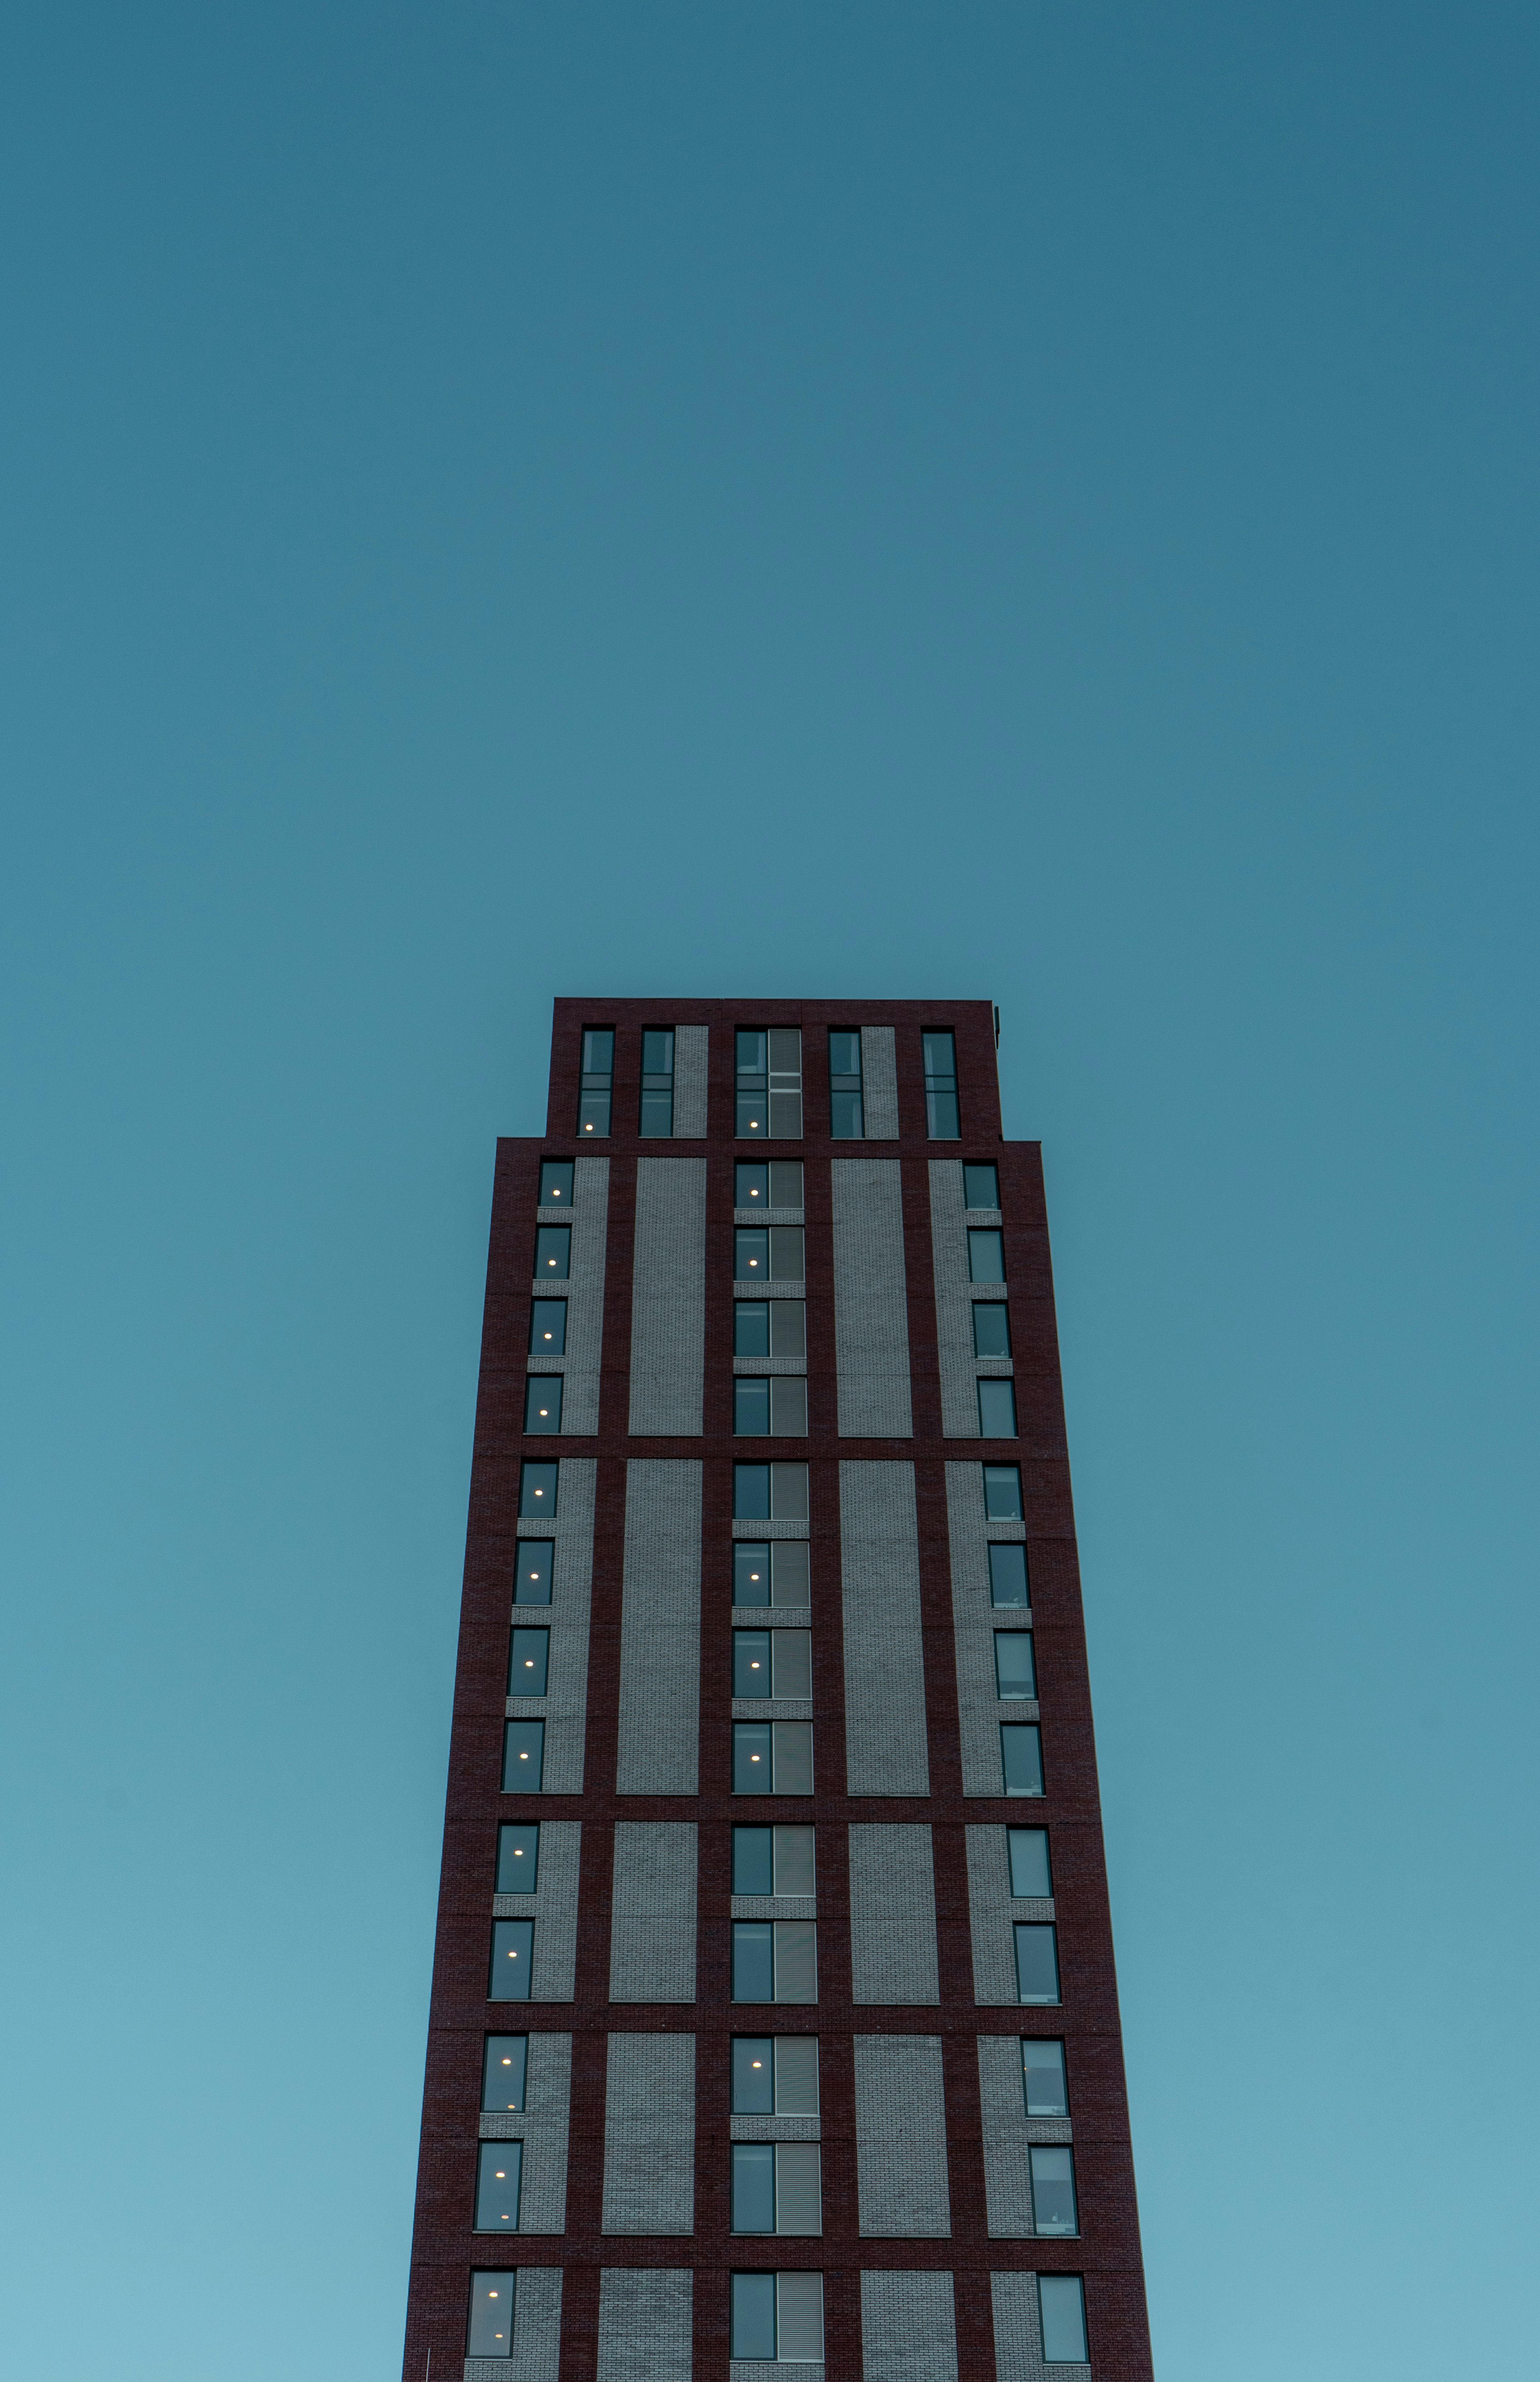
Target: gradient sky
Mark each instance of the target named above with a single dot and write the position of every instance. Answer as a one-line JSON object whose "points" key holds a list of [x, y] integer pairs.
{"points": [[1031, 501]]}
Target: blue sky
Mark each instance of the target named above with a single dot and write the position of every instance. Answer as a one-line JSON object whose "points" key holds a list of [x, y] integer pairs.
{"points": [[1035, 502]]}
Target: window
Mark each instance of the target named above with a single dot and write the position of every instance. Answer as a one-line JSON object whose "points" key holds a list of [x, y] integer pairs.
{"points": [[772, 1757], [773, 1184], [1021, 1757], [1036, 1963], [532, 1573], [493, 2297], [775, 2076], [778, 1566], [1062, 2307], [1016, 1673], [548, 1327], [524, 1756], [992, 1328], [772, 1253], [502, 2074], [773, 1860], [1003, 1492], [518, 1856], [553, 1252], [498, 2187], [769, 1327], [774, 1960], [1008, 1572], [657, 1082], [772, 1661], [599, 1076], [981, 1188], [771, 1406], [512, 1951], [996, 1409], [775, 2187], [844, 1086], [986, 1254], [766, 1492], [1053, 2189], [779, 2316], [537, 1492], [543, 1401], [1043, 2078], [1031, 1871], [555, 1183], [941, 1087], [527, 1658], [769, 1105]]}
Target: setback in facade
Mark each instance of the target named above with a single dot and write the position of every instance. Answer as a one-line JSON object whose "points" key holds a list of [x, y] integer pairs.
{"points": [[774, 2019]]}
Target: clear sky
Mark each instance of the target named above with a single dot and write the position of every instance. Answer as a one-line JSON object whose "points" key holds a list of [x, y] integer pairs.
{"points": [[1034, 501]]}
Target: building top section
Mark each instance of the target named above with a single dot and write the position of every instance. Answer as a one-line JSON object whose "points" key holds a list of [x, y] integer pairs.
{"points": [[790, 1074]]}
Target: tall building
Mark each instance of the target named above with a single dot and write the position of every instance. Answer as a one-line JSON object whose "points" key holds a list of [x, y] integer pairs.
{"points": [[774, 2020]]}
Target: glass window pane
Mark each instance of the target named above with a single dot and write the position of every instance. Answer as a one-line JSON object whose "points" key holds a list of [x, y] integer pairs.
{"points": [[526, 1661], [751, 1493], [789, 1493], [1014, 1671], [753, 2312], [658, 1050], [785, 1116], [1021, 1756], [753, 2076], [1053, 2189], [751, 1116], [657, 1113], [524, 1756], [785, 1057], [754, 2188], [538, 1484], [845, 1116], [543, 1401], [986, 1254], [751, 1060], [791, 1672], [788, 1406], [794, 1856], [498, 2187], [997, 1409], [750, 1184], [793, 1743], [797, 2076], [845, 1056], [992, 1328], [532, 1575], [593, 1113], [940, 1058], [751, 1572], [751, 1665], [786, 1182], [789, 1572], [512, 1950], [751, 1328], [750, 1254], [548, 1327], [751, 1407], [788, 1244], [1008, 1572], [754, 1861], [751, 1756], [752, 1961], [1037, 1962], [553, 1251], [980, 1187], [788, 1327], [799, 2317], [941, 1120], [1044, 2078], [1062, 2304], [599, 1050], [1030, 1873], [555, 1183], [518, 1857], [502, 2072], [1003, 1492], [490, 2331]]}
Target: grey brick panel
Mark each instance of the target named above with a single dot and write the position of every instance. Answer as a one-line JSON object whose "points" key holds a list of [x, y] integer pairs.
{"points": [[667, 1298], [564, 1706], [652, 1927], [537, 2331], [871, 1313], [893, 1915], [1007, 2178], [660, 1721], [644, 2324], [554, 1909], [878, 1083], [760, 2369], [775, 2129], [649, 2134], [908, 2327], [885, 1658], [993, 1913], [542, 2126], [974, 1623], [901, 2136], [584, 1292], [1018, 2335], [690, 1046]]}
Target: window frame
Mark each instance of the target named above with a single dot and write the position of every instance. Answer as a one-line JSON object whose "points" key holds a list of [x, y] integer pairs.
{"points": [[519, 2108], [650, 1083], [941, 1087], [997, 1389], [504, 2275], [596, 1085], [484, 2151], [506, 1828], [522, 1787], [501, 1928], [555, 1200], [846, 1086], [548, 1426], [535, 1603]]}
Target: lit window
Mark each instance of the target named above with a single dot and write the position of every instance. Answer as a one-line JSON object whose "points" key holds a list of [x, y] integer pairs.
{"points": [[490, 2331], [498, 2187]]}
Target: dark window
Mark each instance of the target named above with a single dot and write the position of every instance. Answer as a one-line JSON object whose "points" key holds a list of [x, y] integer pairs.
{"points": [[543, 1402], [493, 2297], [502, 2074], [753, 1858], [1031, 1873], [599, 1076], [996, 1409], [1061, 2306], [1001, 1492], [537, 1492], [512, 1950], [941, 1087], [657, 1082], [752, 2314], [752, 1961], [1036, 1963], [524, 1756], [498, 2187], [518, 1856], [751, 1411], [1008, 1572], [555, 1183], [992, 1328], [1043, 2077], [1015, 1672], [775, 1184], [1053, 2189], [751, 1677], [753, 2071], [980, 1187], [754, 2187], [1021, 1757], [844, 1086], [528, 1656], [986, 1254], [548, 1327], [553, 1252], [532, 1573], [769, 1327], [769, 1493], [779, 2316], [770, 1573]]}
